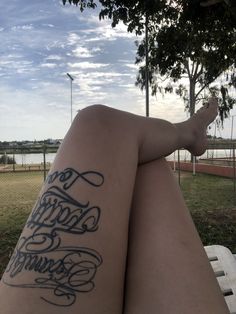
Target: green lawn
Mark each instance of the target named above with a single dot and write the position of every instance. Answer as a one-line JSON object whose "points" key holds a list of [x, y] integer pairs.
{"points": [[207, 191], [18, 193], [210, 199]]}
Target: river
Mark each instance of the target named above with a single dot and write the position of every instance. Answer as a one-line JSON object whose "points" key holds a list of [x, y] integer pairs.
{"points": [[30, 159]]}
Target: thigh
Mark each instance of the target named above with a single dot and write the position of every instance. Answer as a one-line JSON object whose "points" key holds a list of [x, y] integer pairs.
{"points": [[72, 253], [168, 271]]}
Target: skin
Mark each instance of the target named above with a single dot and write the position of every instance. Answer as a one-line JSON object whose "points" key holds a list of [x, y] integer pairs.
{"points": [[90, 238]]}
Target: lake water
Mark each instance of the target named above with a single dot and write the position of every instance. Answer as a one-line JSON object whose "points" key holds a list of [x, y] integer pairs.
{"points": [[217, 153], [30, 159]]}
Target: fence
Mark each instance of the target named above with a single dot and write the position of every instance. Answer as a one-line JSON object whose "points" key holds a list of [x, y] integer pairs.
{"points": [[22, 173], [217, 165], [34, 158], [25, 168]]}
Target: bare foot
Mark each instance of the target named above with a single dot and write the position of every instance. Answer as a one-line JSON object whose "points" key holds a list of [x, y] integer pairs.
{"points": [[197, 126]]}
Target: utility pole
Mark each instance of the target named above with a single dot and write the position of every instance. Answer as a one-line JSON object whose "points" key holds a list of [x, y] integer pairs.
{"points": [[71, 80], [147, 65]]}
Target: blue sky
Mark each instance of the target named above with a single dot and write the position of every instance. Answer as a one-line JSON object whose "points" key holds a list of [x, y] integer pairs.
{"points": [[43, 40]]}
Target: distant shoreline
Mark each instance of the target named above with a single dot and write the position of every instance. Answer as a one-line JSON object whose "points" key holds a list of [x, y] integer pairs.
{"points": [[29, 149], [52, 148]]}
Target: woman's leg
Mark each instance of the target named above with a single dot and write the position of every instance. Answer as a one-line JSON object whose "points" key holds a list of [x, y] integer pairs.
{"points": [[72, 251], [168, 270]]}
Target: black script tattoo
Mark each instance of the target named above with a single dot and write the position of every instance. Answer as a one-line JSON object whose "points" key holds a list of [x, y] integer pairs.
{"points": [[69, 176], [61, 272], [63, 277], [58, 211]]}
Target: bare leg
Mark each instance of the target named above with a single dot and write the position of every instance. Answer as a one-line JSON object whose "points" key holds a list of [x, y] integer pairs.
{"points": [[168, 270], [72, 252]]}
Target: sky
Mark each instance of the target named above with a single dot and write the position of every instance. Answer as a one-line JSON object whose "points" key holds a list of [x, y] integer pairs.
{"points": [[43, 40]]}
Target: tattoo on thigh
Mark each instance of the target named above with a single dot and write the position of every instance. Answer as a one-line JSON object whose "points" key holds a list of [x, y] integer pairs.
{"points": [[61, 271]]}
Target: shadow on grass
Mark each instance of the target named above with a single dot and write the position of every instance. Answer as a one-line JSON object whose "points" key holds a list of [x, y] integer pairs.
{"points": [[217, 227], [7, 244]]}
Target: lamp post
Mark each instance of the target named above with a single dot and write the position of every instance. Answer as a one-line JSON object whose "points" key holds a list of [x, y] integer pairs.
{"points": [[147, 65], [232, 127], [71, 80]]}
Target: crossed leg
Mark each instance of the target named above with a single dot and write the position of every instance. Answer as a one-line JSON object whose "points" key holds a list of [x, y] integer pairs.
{"points": [[72, 253], [167, 269]]}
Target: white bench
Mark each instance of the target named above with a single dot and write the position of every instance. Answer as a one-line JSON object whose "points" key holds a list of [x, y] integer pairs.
{"points": [[223, 263]]}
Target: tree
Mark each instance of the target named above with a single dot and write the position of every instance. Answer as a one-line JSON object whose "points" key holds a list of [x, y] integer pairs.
{"points": [[195, 44], [230, 3], [193, 38], [5, 159]]}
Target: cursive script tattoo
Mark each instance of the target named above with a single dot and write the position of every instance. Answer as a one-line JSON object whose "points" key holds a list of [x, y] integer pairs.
{"points": [[69, 176], [61, 272], [58, 211]]}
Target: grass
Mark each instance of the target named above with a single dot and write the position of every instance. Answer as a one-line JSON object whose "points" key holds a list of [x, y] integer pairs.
{"points": [[18, 193], [203, 192], [210, 199]]}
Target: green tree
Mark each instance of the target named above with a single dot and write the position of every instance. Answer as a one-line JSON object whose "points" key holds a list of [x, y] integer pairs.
{"points": [[199, 46], [193, 38], [5, 159]]}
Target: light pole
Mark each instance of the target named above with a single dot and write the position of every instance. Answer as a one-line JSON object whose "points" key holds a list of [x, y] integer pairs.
{"points": [[147, 65], [232, 127], [71, 80]]}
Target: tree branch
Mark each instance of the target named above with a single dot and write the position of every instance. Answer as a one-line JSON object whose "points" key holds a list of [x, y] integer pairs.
{"points": [[201, 89], [207, 84], [195, 75], [199, 74]]}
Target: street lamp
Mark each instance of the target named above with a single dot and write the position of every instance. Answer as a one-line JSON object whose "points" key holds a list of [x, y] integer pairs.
{"points": [[146, 65], [71, 80], [232, 127]]}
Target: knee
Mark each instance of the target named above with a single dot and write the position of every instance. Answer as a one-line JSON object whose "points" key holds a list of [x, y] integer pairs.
{"points": [[94, 112], [94, 109], [95, 117]]}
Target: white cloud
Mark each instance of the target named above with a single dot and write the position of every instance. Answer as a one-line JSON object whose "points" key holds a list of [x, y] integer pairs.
{"points": [[49, 65], [53, 57], [132, 66], [49, 25], [85, 52], [55, 44], [73, 39], [23, 27], [82, 52], [87, 65], [10, 65], [102, 30]]}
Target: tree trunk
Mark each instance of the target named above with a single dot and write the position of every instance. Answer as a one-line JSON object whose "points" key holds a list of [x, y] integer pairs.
{"points": [[192, 86], [192, 99]]}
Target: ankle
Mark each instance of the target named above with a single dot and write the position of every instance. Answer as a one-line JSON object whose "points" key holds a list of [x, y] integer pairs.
{"points": [[185, 134]]}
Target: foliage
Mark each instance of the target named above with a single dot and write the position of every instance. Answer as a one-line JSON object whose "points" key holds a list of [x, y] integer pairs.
{"points": [[83, 4], [197, 43], [132, 12], [5, 159], [230, 3], [193, 38]]}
